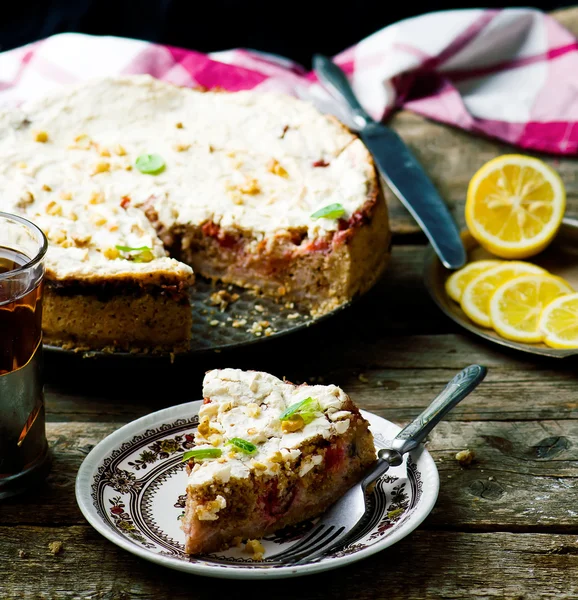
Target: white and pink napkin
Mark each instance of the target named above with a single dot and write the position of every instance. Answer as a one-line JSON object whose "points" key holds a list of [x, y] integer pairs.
{"points": [[510, 74]]}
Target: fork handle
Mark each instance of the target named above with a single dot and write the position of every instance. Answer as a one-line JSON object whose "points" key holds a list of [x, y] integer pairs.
{"points": [[455, 391], [413, 434]]}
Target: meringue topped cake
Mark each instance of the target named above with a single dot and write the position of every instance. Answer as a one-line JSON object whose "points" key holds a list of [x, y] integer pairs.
{"points": [[268, 454], [137, 183]]}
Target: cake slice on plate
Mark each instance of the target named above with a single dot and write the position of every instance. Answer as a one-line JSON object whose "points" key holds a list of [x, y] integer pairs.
{"points": [[268, 454]]}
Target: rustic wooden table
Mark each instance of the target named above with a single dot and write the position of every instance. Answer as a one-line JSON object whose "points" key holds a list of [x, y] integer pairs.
{"points": [[504, 527]]}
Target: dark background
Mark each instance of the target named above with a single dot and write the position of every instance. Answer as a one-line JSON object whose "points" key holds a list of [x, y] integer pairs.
{"points": [[292, 28]]}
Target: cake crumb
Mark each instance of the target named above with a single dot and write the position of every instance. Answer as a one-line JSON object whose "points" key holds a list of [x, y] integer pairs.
{"points": [[293, 316], [239, 323], [465, 457], [213, 323], [259, 308], [237, 541], [55, 547], [22, 554], [363, 378], [255, 548], [256, 329], [222, 299]]}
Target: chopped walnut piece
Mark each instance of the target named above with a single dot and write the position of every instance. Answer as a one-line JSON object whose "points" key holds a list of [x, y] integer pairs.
{"points": [[293, 423], [101, 167], [222, 299], [96, 198], [58, 237], [53, 209], [255, 548], [236, 198], [26, 199], [41, 136], [80, 240], [251, 186], [320, 163], [274, 167], [111, 253], [98, 220], [55, 547], [465, 457], [124, 201]]}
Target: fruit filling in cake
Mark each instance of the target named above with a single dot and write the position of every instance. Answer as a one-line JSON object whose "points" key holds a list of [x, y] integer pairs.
{"points": [[268, 454]]}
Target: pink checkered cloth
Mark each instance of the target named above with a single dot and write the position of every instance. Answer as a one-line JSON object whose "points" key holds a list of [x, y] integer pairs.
{"points": [[510, 74]]}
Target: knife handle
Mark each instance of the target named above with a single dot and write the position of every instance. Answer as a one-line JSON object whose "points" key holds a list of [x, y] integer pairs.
{"points": [[334, 79]]}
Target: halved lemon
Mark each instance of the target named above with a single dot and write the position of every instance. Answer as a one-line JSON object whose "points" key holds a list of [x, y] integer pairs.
{"points": [[457, 281], [515, 205], [475, 300], [516, 306], [559, 322]]}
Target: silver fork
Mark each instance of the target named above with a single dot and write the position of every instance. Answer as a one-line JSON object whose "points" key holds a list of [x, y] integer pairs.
{"points": [[337, 523]]}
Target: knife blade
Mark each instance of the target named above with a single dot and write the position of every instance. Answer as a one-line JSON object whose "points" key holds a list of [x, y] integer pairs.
{"points": [[399, 168]]}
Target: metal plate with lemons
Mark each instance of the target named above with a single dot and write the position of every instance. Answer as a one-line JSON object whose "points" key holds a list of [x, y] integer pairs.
{"points": [[559, 258]]}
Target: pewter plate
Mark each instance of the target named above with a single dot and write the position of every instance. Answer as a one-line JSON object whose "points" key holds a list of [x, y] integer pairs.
{"points": [[131, 489], [560, 258], [250, 319]]}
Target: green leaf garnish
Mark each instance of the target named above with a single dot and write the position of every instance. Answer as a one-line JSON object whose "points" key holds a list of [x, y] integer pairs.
{"points": [[307, 409], [141, 254], [331, 211], [151, 164], [129, 249], [243, 445], [201, 453]]}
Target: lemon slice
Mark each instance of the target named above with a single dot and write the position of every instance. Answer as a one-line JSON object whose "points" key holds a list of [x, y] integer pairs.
{"points": [[515, 205], [475, 300], [457, 281], [559, 322], [516, 306]]}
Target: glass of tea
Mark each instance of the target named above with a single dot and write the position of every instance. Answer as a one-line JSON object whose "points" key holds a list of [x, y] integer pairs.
{"points": [[24, 458]]}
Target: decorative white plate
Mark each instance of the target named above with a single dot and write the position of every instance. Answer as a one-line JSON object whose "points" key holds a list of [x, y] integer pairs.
{"points": [[131, 489]]}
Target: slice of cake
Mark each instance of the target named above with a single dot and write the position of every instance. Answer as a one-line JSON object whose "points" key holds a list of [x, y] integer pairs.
{"points": [[268, 454]]}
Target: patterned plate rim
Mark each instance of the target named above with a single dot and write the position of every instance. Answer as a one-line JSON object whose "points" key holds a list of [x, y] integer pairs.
{"points": [[91, 463]]}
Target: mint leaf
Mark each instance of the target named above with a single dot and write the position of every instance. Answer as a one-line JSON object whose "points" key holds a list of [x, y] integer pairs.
{"points": [[201, 453], [150, 164], [331, 211]]}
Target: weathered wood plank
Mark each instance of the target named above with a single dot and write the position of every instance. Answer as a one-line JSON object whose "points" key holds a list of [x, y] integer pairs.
{"points": [[400, 393], [524, 476], [427, 564], [452, 156]]}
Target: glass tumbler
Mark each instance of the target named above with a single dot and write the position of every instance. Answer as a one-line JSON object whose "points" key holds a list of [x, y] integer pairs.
{"points": [[24, 458]]}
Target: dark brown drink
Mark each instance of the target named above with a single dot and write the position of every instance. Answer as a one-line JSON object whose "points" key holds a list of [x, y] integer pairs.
{"points": [[20, 317], [23, 446]]}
